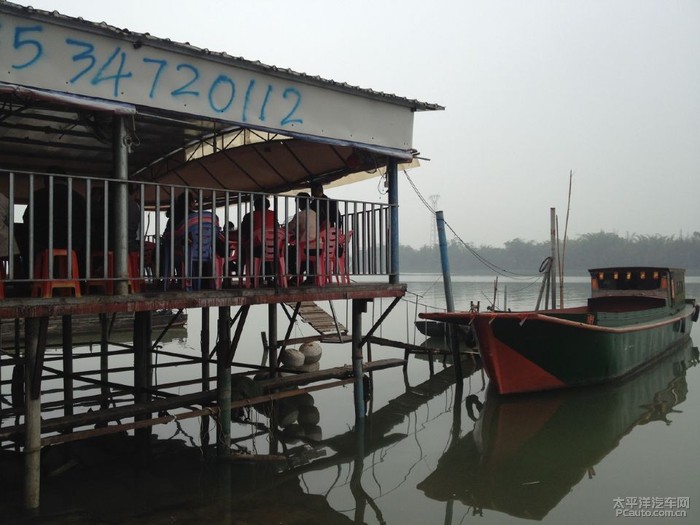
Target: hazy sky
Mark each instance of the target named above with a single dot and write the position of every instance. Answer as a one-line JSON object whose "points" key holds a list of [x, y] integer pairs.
{"points": [[532, 89]]}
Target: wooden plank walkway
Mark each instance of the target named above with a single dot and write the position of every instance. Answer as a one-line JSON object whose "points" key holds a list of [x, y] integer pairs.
{"points": [[320, 320]]}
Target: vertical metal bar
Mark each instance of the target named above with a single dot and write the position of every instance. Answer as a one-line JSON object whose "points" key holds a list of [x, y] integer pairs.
{"points": [[173, 224], [106, 213], [239, 237], [383, 247], [227, 234], [393, 180], [366, 239], [88, 221], [200, 240], [186, 245], [285, 225], [120, 228], [11, 226], [51, 206], [142, 234], [30, 263], [157, 240], [69, 233], [276, 274], [355, 258]]}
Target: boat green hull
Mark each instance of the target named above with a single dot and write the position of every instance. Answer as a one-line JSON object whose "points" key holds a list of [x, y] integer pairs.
{"points": [[541, 352]]}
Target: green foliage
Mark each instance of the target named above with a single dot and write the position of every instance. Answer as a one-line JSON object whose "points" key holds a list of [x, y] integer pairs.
{"points": [[587, 251]]}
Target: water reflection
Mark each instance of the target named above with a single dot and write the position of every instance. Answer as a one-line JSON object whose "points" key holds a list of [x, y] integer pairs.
{"points": [[527, 452]]}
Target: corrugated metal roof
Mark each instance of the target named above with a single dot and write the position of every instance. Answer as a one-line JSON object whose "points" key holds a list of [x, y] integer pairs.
{"points": [[42, 127], [166, 43]]}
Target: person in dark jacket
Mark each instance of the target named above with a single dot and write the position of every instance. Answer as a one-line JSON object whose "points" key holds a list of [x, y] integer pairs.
{"points": [[62, 221]]}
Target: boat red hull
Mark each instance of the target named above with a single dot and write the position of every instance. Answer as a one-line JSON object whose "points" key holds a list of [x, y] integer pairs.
{"points": [[533, 351]]}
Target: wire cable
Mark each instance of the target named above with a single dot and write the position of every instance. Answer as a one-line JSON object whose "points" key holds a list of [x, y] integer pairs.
{"points": [[493, 267]]}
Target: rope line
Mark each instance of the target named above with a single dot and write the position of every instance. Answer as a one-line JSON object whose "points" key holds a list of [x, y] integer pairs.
{"points": [[493, 267]]}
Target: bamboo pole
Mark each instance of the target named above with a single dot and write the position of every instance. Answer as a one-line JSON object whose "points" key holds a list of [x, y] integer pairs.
{"points": [[553, 241], [563, 250]]}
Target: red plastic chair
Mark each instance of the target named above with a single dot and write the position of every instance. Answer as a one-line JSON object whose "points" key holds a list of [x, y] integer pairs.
{"points": [[271, 250], [328, 241], [45, 283]]}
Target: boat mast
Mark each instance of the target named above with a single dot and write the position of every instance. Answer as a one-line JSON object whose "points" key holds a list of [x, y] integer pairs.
{"points": [[553, 241]]}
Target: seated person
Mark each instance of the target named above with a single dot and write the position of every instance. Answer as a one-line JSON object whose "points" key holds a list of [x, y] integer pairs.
{"points": [[59, 220], [253, 222], [201, 237], [303, 228], [326, 208]]}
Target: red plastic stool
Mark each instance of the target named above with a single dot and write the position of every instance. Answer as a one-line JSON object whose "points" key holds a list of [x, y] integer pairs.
{"points": [[48, 283], [108, 284]]}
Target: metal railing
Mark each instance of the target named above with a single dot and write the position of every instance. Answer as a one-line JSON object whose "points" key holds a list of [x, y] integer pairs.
{"points": [[181, 237]]}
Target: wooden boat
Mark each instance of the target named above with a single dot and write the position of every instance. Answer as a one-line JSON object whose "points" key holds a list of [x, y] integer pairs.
{"points": [[633, 317], [526, 453]]}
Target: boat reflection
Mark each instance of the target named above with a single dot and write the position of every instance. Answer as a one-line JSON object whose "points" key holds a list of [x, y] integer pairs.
{"points": [[526, 452]]}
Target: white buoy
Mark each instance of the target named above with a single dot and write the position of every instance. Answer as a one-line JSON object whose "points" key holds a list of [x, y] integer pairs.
{"points": [[309, 368], [312, 352], [292, 358]]}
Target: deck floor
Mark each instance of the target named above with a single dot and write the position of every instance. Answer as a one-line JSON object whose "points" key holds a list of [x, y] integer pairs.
{"points": [[11, 308]]}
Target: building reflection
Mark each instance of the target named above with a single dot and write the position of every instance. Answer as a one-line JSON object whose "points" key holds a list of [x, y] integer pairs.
{"points": [[527, 452]]}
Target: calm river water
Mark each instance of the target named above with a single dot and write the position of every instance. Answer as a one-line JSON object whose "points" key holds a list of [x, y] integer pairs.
{"points": [[429, 453]]}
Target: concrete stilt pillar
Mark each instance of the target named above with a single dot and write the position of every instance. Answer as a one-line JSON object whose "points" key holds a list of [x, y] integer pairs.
{"points": [[34, 343], [359, 306], [223, 383]]}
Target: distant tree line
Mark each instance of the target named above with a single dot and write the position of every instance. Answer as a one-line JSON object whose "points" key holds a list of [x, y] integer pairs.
{"points": [[591, 250]]}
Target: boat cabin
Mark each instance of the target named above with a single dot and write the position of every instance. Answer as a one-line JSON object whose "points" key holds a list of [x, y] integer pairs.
{"points": [[643, 286]]}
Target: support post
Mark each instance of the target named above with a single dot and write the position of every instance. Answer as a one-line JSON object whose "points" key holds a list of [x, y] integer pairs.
{"points": [[67, 339], [104, 360], [449, 299], [205, 342], [34, 349], [142, 373], [392, 175], [223, 383], [444, 261], [359, 306], [121, 196], [272, 338]]}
